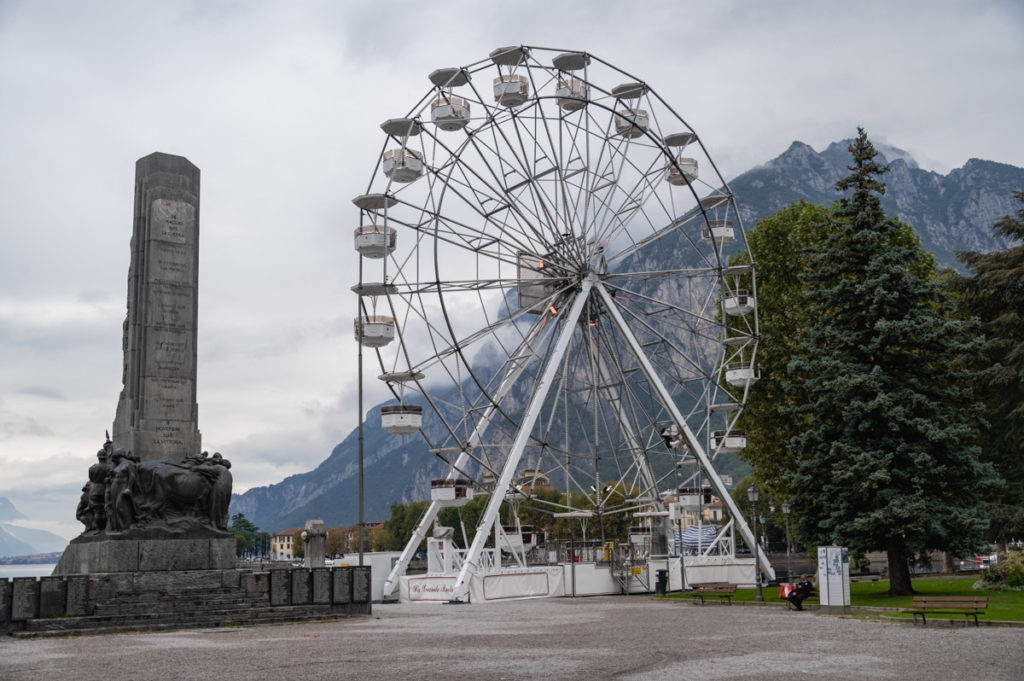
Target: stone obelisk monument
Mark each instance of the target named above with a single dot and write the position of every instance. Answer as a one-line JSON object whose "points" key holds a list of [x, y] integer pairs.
{"points": [[157, 414], [154, 501]]}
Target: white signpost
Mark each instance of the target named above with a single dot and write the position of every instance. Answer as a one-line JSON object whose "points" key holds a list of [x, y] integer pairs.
{"points": [[834, 578]]}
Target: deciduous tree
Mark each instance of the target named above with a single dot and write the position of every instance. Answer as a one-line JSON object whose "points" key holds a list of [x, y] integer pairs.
{"points": [[246, 534]]}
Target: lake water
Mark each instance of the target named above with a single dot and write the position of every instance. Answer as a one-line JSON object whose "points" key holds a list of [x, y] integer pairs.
{"points": [[27, 570]]}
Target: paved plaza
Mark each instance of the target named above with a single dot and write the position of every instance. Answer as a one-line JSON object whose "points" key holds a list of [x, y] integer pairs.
{"points": [[628, 638]]}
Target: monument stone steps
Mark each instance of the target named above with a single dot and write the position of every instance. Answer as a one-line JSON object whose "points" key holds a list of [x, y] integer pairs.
{"points": [[195, 619], [174, 605], [156, 597]]}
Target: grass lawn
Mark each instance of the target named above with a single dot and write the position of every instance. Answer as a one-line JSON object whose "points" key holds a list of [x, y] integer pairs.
{"points": [[1002, 605]]}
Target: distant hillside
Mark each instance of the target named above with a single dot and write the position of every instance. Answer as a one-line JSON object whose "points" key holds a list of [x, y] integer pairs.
{"points": [[8, 512], [18, 540], [12, 546], [950, 212]]}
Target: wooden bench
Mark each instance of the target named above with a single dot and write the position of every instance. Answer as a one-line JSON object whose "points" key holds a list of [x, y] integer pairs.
{"points": [[968, 606], [812, 595], [721, 590]]}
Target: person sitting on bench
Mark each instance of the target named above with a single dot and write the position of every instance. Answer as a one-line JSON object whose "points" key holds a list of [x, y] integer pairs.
{"points": [[801, 591]]}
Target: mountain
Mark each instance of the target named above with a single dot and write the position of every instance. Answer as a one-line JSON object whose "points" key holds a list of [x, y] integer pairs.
{"points": [[395, 469], [12, 546], [8, 512], [18, 540], [951, 212]]}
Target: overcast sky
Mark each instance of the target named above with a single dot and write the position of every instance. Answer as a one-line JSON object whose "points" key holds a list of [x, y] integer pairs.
{"points": [[278, 104]]}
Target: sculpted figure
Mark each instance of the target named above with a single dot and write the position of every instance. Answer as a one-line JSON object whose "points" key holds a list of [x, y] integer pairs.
{"points": [[90, 511], [122, 492], [178, 492], [220, 495], [82, 513], [97, 487]]}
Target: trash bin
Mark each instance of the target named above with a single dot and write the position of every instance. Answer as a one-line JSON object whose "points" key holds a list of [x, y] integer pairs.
{"points": [[661, 583]]}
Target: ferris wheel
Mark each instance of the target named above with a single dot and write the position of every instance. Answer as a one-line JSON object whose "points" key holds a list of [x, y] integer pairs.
{"points": [[556, 285]]}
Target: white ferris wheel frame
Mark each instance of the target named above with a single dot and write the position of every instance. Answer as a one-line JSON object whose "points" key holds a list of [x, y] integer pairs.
{"points": [[590, 287]]}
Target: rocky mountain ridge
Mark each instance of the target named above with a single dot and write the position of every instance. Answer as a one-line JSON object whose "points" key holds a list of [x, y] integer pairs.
{"points": [[951, 212]]}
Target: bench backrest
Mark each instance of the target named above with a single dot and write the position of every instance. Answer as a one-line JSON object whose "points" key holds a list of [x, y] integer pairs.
{"points": [[951, 601], [715, 586]]}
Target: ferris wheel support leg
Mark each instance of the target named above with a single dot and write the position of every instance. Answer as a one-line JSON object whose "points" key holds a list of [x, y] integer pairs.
{"points": [[421, 528], [691, 439], [410, 548], [472, 558]]}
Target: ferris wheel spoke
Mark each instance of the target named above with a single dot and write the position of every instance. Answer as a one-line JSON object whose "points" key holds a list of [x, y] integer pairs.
{"points": [[653, 275], [699, 320], [503, 209]]}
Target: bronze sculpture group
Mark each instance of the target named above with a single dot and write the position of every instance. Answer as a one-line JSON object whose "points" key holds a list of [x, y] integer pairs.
{"points": [[124, 493]]}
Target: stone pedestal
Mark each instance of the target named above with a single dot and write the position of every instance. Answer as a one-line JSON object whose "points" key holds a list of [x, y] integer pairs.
{"points": [[315, 538], [139, 555]]}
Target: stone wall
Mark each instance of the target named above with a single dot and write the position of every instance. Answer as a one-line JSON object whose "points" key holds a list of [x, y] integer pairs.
{"points": [[345, 590]]}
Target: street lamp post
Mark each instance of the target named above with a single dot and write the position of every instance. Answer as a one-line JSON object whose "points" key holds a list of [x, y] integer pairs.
{"points": [[789, 564], [753, 495]]}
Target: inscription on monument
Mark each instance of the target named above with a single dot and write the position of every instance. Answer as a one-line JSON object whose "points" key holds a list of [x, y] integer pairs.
{"points": [[170, 306], [164, 439], [171, 262], [173, 221], [168, 398], [169, 354]]}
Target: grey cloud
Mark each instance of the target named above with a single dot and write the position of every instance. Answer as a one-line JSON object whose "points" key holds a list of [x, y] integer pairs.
{"points": [[16, 425], [42, 391]]}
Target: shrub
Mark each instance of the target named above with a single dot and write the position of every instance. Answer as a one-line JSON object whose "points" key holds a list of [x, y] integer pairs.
{"points": [[1007, 574]]}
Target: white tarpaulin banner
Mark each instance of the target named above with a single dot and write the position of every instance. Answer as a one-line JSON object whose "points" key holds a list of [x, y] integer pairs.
{"points": [[437, 588], [538, 582], [704, 569]]}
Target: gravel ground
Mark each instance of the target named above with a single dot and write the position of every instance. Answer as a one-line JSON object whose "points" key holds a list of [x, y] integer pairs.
{"points": [[628, 638]]}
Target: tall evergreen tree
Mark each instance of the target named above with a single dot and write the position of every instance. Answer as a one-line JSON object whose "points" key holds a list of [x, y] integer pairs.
{"points": [[781, 244], [888, 458], [994, 293]]}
